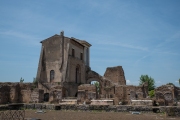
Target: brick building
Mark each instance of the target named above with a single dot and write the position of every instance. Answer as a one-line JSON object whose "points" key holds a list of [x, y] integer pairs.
{"points": [[64, 65], [63, 62]]}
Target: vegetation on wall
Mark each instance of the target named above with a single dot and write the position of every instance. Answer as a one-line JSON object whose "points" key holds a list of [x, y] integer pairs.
{"points": [[151, 93]]}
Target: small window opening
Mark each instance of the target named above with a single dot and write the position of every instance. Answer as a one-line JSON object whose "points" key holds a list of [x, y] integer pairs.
{"points": [[81, 56], [52, 75], [73, 52]]}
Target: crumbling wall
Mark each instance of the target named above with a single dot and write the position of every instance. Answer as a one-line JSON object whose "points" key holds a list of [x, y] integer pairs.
{"points": [[4, 94], [86, 92], [107, 89], [18, 93], [177, 93], [165, 94], [116, 75], [14, 93], [37, 96]]}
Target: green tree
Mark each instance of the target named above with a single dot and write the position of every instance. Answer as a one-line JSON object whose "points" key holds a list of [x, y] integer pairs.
{"points": [[151, 93], [149, 80], [97, 85], [21, 80]]}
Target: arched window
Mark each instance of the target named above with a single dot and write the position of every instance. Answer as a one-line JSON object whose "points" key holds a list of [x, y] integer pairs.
{"points": [[52, 73]]}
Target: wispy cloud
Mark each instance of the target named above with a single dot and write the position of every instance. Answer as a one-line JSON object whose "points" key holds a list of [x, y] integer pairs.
{"points": [[124, 45], [173, 37], [137, 61], [25, 38]]}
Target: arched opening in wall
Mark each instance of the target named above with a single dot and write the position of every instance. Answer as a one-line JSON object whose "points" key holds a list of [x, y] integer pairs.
{"points": [[78, 74], [96, 83], [46, 97], [52, 74]]}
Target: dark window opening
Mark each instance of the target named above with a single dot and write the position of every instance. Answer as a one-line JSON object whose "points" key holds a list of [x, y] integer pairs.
{"points": [[73, 52], [81, 56], [52, 73], [78, 74], [46, 97]]}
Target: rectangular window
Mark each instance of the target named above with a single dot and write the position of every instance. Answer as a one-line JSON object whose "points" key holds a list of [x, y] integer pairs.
{"points": [[73, 52], [81, 56]]}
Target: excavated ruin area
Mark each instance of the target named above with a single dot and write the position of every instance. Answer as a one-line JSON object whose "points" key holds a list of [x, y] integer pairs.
{"points": [[94, 115]]}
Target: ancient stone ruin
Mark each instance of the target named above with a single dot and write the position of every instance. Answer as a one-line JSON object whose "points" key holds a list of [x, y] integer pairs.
{"points": [[64, 77], [20, 93], [167, 95], [64, 69]]}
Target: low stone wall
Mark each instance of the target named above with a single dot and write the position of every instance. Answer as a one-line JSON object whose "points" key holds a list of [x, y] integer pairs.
{"points": [[170, 110], [142, 102]]}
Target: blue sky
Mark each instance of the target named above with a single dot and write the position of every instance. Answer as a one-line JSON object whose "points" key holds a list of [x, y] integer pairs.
{"points": [[142, 36]]}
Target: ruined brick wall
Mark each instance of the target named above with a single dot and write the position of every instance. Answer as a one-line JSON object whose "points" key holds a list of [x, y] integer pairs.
{"points": [[119, 94], [177, 93], [25, 92], [86, 92], [165, 94], [37, 96], [116, 74], [14, 93], [25, 96], [135, 92], [4, 94], [9, 92], [17, 93], [87, 87], [107, 89]]}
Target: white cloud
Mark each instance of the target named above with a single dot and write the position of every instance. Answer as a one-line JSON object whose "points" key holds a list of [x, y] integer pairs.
{"points": [[158, 82], [128, 81]]}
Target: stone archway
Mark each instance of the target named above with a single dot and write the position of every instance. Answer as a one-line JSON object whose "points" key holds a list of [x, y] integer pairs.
{"points": [[92, 75], [98, 87]]}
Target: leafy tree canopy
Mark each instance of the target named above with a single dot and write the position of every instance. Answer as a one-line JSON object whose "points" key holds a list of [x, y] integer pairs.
{"points": [[149, 80], [97, 85], [21, 80]]}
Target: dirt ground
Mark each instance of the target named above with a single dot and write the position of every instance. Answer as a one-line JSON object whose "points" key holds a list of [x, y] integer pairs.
{"points": [[95, 115]]}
